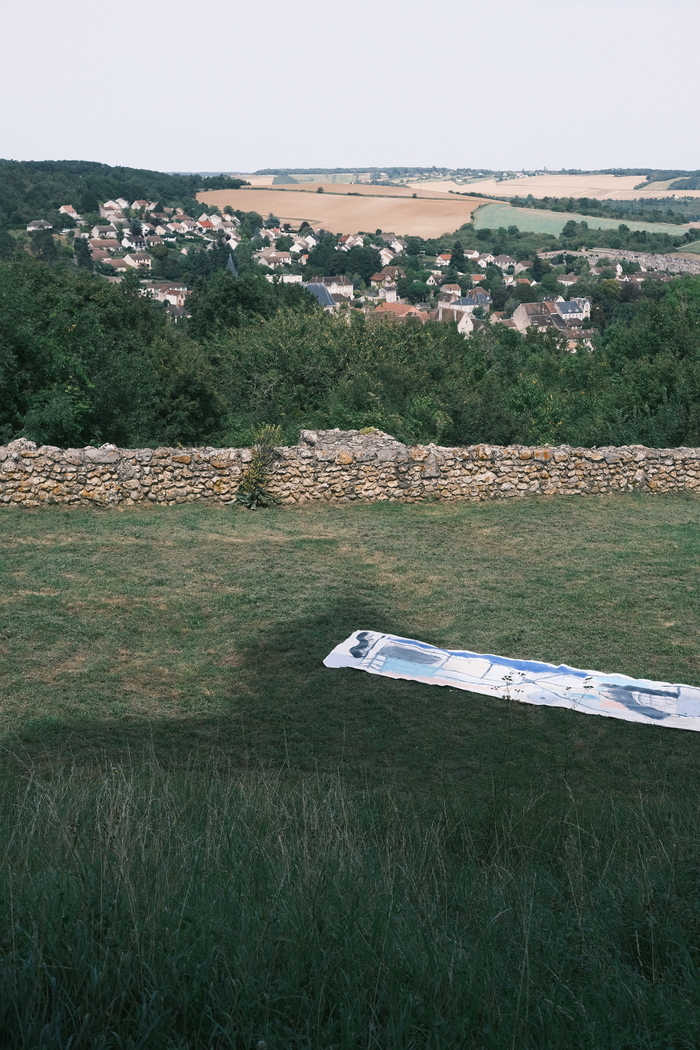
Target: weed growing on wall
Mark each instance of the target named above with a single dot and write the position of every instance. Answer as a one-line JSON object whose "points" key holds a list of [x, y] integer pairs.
{"points": [[253, 489]]}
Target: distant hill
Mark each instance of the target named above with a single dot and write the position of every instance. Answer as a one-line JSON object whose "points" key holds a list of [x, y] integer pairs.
{"points": [[37, 189], [691, 183]]}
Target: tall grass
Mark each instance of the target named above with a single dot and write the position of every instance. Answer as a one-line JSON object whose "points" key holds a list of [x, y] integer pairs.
{"points": [[145, 907]]}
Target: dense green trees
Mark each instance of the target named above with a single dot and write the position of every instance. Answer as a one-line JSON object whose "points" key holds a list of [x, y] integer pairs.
{"points": [[223, 302], [7, 245], [415, 291], [83, 257], [43, 246], [85, 361], [327, 261], [37, 189], [457, 260], [523, 244]]}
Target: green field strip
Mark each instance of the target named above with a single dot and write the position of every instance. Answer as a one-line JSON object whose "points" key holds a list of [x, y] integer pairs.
{"points": [[532, 220]]}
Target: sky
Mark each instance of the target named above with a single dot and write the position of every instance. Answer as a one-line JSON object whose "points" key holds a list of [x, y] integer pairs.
{"points": [[228, 85]]}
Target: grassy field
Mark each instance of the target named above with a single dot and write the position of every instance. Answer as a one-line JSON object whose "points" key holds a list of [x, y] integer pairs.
{"points": [[492, 216], [209, 839]]}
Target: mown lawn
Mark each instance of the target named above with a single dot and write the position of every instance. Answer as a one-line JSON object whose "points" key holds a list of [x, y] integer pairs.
{"points": [[192, 629], [209, 839]]}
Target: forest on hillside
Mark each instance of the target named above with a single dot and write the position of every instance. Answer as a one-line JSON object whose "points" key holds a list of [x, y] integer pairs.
{"points": [[37, 189]]}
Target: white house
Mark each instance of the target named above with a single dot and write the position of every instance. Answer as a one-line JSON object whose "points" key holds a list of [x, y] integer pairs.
{"points": [[138, 259], [470, 302], [104, 232], [230, 232], [335, 285], [175, 294], [284, 278], [552, 313], [464, 319], [110, 244], [134, 240], [69, 210], [114, 209], [387, 276], [535, 315], [269, 257], [575, 310], [397, 244], [350, 240]]}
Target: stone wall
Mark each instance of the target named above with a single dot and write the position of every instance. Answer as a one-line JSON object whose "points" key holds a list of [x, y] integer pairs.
{"points": [[335, 466]]}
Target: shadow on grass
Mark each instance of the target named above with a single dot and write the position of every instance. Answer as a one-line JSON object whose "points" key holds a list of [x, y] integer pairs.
{"points": [[272, 705], [275, 704]]}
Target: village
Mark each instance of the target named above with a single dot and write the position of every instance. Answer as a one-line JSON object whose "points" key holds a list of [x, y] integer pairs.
{"points": [[133, 235]]}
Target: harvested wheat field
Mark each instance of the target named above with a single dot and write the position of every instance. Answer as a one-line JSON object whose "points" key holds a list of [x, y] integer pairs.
{"points": [[257, 180], [360, 208], [597, 187]]}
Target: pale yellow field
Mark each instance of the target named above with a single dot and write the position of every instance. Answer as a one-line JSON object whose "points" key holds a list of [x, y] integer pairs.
{"points": [[258, 180], [597, 187], [360, 208]]}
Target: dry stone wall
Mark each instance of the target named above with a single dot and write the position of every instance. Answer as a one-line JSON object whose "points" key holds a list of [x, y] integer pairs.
{"points": [[335, 466]]}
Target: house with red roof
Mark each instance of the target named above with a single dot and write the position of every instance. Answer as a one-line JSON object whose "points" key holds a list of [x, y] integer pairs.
{"points": [[400, 312]]}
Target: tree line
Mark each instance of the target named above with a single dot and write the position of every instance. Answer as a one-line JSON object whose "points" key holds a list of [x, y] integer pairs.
{"points": [[83, 361], [672, 211]]}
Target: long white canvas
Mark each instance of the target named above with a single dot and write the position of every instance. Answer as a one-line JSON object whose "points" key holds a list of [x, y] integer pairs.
{"points": [[527, 681]]}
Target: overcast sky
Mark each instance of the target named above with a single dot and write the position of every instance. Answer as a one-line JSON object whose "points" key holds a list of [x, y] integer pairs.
{"points": [[237, 85]]}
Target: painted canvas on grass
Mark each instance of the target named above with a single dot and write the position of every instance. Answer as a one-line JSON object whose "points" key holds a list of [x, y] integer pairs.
{"points": [[530, 682]]}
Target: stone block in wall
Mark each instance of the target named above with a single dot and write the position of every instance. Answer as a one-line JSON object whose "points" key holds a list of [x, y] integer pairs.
{"points": [[106, 454], [431, 467]]}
